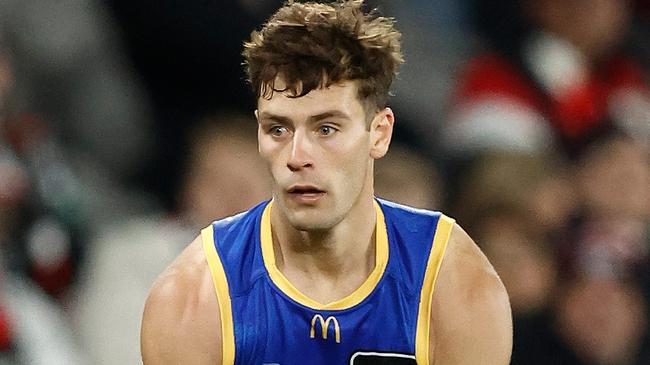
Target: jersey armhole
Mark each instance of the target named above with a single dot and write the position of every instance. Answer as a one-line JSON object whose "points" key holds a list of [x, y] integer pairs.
{"points": [[223, 295], [436, 255]]}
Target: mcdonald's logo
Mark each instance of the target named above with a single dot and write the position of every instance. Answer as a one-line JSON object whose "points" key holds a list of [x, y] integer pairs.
{"points": [[324, 326]]}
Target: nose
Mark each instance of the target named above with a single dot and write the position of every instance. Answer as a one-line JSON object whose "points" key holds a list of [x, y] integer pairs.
{"points": [[300, 156]]}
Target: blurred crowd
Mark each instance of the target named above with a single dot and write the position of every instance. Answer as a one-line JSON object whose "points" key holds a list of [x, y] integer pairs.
{"points": [[126, 127]]}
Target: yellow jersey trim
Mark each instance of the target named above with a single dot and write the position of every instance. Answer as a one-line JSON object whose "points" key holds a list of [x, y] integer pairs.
{"points": [[381, 260], [223, 296], [440, 240]]}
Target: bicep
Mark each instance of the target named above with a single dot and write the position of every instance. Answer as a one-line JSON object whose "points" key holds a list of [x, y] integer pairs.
{"points": [[181, 322], [171, 336], [480, 334], [157, 337], [471, 315]]}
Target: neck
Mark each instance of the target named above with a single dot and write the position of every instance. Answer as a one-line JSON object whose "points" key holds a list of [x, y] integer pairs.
{"points": [[328, 264]]}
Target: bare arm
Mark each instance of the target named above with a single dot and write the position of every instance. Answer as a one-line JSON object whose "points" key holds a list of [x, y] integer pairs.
{"points": [[181, 323], [471, 317]]}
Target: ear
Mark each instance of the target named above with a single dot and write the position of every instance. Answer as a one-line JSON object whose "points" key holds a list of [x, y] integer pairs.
{"points": [[381, 132]]}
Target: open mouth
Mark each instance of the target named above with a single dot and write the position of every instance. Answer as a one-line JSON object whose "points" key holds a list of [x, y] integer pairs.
{"points": [[305, 190], [305, 194]]}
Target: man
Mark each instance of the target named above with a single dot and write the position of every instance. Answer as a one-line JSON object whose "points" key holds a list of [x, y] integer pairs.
{"points": [[325, 273]]}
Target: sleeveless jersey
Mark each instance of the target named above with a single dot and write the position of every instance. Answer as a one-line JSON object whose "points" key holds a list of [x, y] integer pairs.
{"points": [[265, 320]]}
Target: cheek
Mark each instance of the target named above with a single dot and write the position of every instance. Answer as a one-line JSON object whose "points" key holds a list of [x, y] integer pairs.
{"points": [[271, 154], [355, 145], [352, 170]]}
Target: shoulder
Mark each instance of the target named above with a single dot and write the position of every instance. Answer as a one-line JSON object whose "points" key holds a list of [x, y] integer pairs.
{"points": [[471, 317], [181, 321]]}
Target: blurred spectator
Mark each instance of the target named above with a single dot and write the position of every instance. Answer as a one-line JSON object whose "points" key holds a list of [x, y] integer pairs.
{"points": [[603, 321], [435, 41], [73, 101], [595, 321], [525, 261], [515, 205], [46, 241], [188, 54], [567, 316], [538, 184], [224, 175], [522, 256], [611, 235], [68, 69], [222, 164], [408, 176], [560, 78], [35, 179], [552, 81], [640, 40], [608, 252], [613, 178], [33, 329]]}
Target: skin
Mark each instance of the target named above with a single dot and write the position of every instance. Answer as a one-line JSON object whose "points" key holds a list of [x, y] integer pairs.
{"points": [[225, 166], [595, 27], [324, 240]]}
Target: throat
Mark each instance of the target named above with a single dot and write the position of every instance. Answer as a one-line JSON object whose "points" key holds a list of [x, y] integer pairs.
{"points": [[332, 269], [327, 282], [326, 271]]}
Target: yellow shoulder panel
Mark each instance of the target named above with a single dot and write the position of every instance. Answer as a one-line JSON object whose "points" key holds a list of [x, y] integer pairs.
{"points": [[440, 239], [223, 295]]}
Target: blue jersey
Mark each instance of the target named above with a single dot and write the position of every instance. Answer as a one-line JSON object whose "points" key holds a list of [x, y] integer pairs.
{"points": [[266, 320]]}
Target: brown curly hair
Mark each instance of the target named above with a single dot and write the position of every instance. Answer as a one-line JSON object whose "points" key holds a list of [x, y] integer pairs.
{"points": [[314, 45]]}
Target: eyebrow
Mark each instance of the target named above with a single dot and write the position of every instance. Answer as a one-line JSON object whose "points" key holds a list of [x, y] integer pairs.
{"points": [[274, 117], [313, 118], [329, 114]]}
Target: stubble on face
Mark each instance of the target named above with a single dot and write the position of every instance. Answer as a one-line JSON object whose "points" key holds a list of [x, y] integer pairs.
{"points": [[339, 164]]}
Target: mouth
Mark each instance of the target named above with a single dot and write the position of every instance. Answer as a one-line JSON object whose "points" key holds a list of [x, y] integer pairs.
{"points": [[305, 189], [305, 193]]}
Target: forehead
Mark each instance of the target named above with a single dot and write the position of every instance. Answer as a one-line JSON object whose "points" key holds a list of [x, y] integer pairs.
{"points": [[341, 97]]}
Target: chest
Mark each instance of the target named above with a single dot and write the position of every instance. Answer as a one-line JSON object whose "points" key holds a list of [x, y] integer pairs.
{"points": [[271, 328]]}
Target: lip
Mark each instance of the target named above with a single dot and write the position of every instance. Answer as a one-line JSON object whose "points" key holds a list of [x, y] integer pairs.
{"points": [[305, 194]]}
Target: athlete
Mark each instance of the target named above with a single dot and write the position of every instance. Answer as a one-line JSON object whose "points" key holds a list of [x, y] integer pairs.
{"points": [[324, 272]]}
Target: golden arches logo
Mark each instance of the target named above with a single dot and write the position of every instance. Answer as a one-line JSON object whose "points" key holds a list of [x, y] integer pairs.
{"points": [[324, 325]]}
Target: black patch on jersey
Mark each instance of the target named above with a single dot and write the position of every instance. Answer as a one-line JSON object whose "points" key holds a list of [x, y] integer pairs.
{"points": [[381, 358]]}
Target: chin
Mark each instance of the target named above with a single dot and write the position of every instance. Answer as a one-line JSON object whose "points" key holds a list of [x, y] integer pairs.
{"points": [[309, 225], [311, 221]]}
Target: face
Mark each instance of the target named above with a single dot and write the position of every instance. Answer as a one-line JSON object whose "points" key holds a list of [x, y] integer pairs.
{"points": [[320, 152], [620, 165], [227, 169], [594, 26]]}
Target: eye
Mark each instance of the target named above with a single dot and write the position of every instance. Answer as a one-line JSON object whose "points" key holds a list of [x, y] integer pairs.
{"points": [[277, 130], [326, 130]]}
